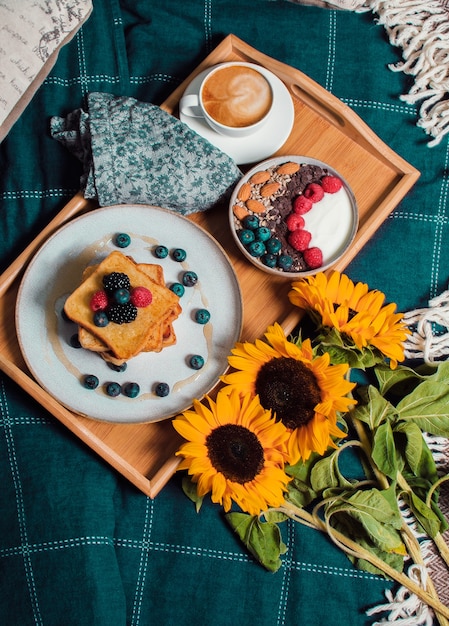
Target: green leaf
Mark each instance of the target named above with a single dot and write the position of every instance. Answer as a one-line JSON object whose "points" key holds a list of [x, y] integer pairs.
{"points": [[190, 489], [403, 378], [262, 539], [417, 452], [381, 505], [326, 474], [363, 507], [384, 452], [300, 493], [375, 408], [428, 407], [425, 516]]}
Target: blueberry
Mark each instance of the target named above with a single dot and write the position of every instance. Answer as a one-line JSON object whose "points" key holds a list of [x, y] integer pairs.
{"points": [[269, 260], [251, 222], [75, 341], [196, 362], [162, 390], [90, 381], [121, 296], [179, 255], [263, 234], [122, 240], [178, 289], [257, 248], [189, 279], [131, 390], [202, 316], [273, 245], [285, 262], [161, 252], [113, 389], [117, 368], [246, 236], [101, 319]]}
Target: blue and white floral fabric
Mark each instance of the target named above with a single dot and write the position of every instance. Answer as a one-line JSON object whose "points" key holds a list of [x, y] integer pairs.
{"points": [[135, 153]]}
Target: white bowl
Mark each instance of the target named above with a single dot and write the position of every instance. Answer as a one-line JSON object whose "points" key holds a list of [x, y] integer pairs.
{"points": [[332, 221]]}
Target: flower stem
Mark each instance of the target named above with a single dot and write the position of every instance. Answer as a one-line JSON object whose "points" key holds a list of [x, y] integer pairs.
{"points": [[351, 547]]}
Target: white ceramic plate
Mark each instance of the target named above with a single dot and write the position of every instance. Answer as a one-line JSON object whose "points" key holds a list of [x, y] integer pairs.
{"points": [[333, 222], [44, 335], [262, 143]]}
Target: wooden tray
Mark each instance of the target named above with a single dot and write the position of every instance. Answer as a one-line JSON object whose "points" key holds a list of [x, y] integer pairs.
{"points": [[324, 129]]}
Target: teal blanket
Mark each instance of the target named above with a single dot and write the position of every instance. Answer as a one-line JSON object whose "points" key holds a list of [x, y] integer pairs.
{"points": [[81, 546]]}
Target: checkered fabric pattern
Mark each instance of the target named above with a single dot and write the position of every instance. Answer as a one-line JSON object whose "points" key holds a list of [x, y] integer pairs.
{"points": [[78, 544]]}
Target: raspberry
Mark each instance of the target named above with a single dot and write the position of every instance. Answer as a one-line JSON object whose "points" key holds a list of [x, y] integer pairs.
{"points": [[314, 192], [331, 184], [313, 257], [122, 313], [299, 239], [294, 221], [141, 297], [99, 300], [302, 204]]}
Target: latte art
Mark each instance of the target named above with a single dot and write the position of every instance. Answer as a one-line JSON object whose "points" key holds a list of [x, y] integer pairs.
{"points": [[237, 96]]}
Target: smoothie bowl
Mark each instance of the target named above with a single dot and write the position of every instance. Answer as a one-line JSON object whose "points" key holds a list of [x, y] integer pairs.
{"points": [[293, 216]]}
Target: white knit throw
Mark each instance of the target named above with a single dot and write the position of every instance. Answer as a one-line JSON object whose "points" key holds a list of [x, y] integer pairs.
{"points": [[421, 29], [430, 330]]}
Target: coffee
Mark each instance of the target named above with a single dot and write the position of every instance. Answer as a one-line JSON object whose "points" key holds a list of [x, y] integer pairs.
{"points": [[237, 96]]}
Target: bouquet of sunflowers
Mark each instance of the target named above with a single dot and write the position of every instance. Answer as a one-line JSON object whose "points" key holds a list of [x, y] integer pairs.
{"points": [[271, 441]]}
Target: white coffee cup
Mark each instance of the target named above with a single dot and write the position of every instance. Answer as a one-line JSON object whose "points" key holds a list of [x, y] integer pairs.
{"points": [[234, 98]]}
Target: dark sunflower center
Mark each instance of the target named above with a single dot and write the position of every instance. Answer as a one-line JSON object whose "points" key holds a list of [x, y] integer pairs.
{"points": [[236, 452], [289, 388]]}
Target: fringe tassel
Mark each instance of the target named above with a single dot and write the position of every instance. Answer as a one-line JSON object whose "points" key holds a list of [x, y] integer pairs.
{"points": [[421, 29], [430, 330], [405, 608]]}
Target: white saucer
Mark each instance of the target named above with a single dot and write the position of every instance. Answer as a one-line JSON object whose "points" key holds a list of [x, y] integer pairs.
{"points": [[262, 143]]}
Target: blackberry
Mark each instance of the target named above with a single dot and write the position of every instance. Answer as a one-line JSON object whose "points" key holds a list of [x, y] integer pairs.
{"points": [[116, 280], [122, 313]]}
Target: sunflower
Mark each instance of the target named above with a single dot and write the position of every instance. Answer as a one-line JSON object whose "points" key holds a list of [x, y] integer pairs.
{"points": [[303, 391], [355, 311], [235, 450]]}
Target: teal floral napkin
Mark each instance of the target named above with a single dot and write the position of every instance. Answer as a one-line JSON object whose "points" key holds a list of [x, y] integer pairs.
{"points": [[135, 153]]}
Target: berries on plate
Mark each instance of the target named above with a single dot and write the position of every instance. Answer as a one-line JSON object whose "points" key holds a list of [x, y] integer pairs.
{"points": [[122, 240], [116, 280], [162, 390], [113, 389], [141, 297], [90, 381], [99, 300], [122, 313]]}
